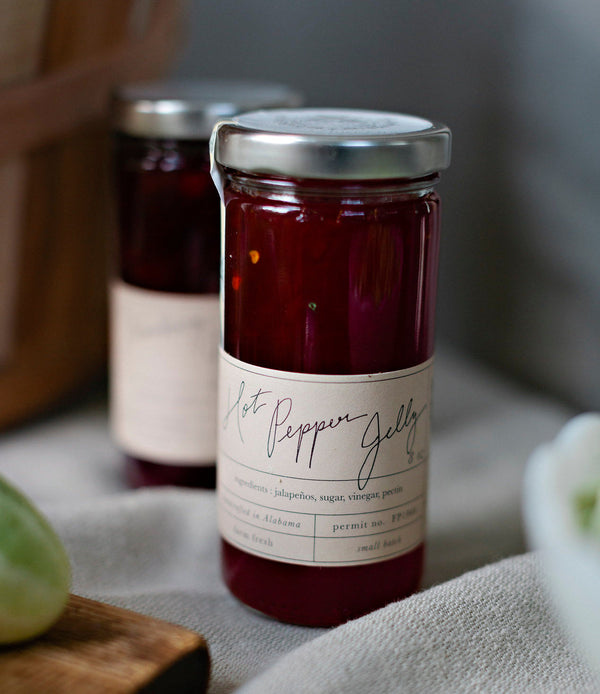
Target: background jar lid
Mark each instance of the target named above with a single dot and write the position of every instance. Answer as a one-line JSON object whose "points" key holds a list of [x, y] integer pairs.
{"points": [[340, 144], [189, 109]]}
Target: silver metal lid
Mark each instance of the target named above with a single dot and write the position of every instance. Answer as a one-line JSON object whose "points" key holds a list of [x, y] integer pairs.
{"points": [[339, 144], [190, 109]]}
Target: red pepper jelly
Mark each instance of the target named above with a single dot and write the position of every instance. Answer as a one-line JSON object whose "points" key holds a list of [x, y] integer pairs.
{"points": [[330, 254], [164, 297]]}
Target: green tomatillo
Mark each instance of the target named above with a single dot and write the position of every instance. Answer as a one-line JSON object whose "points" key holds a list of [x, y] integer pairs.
{"points": [[35, 574]]}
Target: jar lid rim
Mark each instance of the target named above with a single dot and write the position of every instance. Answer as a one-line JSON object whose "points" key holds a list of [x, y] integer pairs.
{"points": [[189, 109], [332, 143]]}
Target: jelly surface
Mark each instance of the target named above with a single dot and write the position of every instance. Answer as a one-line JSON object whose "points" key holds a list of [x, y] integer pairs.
{"points": [[168, 240], [337, 282]]}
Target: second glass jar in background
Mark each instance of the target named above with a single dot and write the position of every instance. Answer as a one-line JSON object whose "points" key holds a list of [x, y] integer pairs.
{"points": [[164, 293]]}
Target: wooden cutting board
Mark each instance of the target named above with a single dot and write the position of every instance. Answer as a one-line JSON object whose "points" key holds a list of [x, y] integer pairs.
{"points": [[96, 648]]}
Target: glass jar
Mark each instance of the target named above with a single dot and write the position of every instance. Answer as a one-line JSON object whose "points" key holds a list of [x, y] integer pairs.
{"points": [[164, 294], [331, 238]]}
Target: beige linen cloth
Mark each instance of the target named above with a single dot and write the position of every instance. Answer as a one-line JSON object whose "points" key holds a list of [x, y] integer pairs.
{"points": [[475, 629]]}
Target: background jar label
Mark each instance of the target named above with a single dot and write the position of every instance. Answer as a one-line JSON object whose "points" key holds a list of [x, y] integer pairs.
{"points": [[322, 469], [164, 374]]}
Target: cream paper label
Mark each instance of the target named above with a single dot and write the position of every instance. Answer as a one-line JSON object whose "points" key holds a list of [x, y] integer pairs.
{"points": [[323, 470], [164, 359]]}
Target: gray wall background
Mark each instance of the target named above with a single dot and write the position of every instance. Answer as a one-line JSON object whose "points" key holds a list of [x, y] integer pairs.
{"points": [[519, 84]]}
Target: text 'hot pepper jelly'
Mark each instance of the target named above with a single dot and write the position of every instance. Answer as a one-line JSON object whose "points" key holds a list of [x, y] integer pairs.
{"points": [[164, 295], [330, 254]]}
